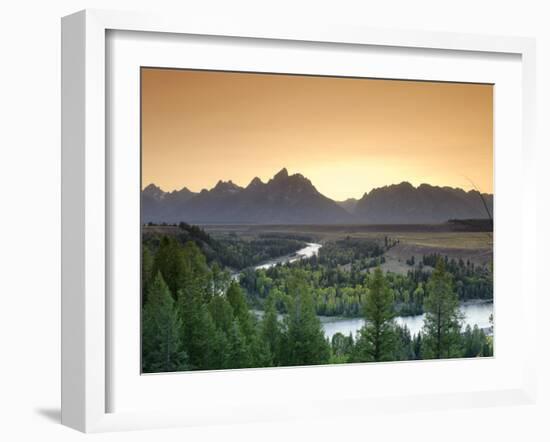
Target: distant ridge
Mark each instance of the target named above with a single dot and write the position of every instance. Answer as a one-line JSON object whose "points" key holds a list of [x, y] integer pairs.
{"points": [[293, 199], [405, 204]]}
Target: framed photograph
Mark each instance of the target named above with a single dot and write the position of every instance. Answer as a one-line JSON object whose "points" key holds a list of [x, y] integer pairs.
{"points": [[263, 222]]}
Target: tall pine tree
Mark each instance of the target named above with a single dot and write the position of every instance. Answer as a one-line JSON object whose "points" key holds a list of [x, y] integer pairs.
{"points": [[239, 352], [238, 303], [221, 312], [146, 272], [377, 338], [162, 349], [248, 326], [304, 339], [271, 332], [443, 320], [193, 296], [169, 261]]}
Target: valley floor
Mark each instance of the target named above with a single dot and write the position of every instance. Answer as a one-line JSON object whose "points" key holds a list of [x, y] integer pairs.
{"points": [[414, 240]]}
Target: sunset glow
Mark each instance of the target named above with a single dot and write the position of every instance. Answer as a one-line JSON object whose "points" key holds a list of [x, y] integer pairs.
{"points": [[346, 135]]}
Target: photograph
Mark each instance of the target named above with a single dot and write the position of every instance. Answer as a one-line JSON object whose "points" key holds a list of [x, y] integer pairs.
{"points": [[303, 220]]}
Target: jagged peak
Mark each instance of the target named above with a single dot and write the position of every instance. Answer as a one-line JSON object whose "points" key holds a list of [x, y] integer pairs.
{"points": [[254, 183], [183, 190], [283, 173], [152, 186], [226, 186], [154, 191]]}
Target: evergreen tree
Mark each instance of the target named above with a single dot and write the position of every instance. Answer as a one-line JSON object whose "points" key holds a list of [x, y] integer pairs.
{"points": [[162, 348], [417, 346], [342, 347], [222, 313], [237, 300], [169, 261], [248, 325], [377, 339], [183, 266], [271, 331], [487, 349], [205, 341], [219, 347], [488, 346], [442, 324], [193, 278], [304, 340], [146, 272], [196, 272], [220, 279], [404, 349], [474, 341], [239, 354]]}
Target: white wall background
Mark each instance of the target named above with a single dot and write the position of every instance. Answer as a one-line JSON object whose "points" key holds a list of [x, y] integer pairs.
{"points": [[30, 215]]}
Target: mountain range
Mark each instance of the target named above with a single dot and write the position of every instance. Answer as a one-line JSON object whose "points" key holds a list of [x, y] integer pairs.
{"points": [[293, 199]]}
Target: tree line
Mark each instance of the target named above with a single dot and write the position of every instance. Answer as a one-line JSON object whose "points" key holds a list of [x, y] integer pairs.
{"points": [[195, 317], [226, 250], [339, 279]]}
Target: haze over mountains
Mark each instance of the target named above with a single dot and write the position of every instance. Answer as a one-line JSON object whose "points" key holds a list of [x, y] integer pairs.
{"points": [[293, 199]]}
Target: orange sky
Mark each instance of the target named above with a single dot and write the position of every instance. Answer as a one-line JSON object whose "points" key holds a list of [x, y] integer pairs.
{"points": [[346, 135]]}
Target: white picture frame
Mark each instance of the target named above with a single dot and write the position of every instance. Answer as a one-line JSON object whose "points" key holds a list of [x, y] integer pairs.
{"points": [[86, 208]]}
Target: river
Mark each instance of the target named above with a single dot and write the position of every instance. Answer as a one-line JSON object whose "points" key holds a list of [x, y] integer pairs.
{"points": [[310, 250], [475, 313]]}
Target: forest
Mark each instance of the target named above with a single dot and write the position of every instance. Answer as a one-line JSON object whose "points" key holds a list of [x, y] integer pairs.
{"points": [[229, 251], [197, 316], [338, 279]]}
